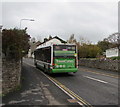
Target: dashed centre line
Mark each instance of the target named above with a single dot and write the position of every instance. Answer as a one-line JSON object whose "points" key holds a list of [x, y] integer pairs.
{"points": [[96, 79], [105, 74]]}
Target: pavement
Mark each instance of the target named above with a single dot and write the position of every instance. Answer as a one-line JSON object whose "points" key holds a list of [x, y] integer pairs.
{"points": [[36, 90], [30, 93], [97, 87]]}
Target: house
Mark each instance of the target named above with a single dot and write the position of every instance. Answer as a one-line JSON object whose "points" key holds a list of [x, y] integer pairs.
{"points": [[54, 40], [33, 46], [1, 28], [112, 52], [50, 41]]}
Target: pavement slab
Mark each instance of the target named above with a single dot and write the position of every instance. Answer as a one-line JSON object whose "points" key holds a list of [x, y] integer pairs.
{"points": [[30, 93], [36, 90]]}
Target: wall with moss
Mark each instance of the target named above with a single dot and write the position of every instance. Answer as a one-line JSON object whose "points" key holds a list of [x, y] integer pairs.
{"points": [[105, 64], [11, 74]]}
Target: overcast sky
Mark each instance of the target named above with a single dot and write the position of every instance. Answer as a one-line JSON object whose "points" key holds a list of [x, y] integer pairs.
{"points": [[92, 20]]}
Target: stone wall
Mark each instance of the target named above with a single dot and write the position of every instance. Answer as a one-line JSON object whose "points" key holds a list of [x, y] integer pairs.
{"points": [[11, 73], [100, 63]]}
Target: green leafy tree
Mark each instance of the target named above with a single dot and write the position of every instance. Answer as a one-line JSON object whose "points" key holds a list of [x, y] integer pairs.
{"points": [[94, 51], [104, 45], [89, 51], [15, 43], [85, 48]]}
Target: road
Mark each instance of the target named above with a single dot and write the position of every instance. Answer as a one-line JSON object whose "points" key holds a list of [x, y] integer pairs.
{"points": [[88, 86], [94, 87], [35, 90]]}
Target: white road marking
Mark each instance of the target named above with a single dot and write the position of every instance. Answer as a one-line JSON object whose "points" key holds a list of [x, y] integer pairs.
{"points": [[62, 89], [96, 79], [58, 86], [80, 103]]}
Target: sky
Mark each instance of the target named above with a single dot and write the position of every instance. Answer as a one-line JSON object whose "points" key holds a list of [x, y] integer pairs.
{"points": [[91, 20]]}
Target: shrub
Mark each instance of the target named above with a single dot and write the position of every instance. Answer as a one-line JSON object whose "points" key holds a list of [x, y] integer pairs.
{"points": [[14, 43], [115, 58]]}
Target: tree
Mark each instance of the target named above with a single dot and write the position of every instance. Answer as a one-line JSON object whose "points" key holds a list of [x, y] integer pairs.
{"points": [[50, 37], [15, 43], [113, 38], [38, 38], [89, 51], [94, 51], [104, 45], [72, 39], [32, 40], [45, 39], [85, 48], [33, 44], [83, 40]]}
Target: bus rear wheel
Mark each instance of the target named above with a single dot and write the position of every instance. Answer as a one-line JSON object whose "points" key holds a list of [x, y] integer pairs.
{"points": [[45, 70], [36, 65]]}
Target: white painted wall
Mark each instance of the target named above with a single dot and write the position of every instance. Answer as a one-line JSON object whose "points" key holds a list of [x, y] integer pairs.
{"points": [[113, 52], [50, 42], [29, 53]]}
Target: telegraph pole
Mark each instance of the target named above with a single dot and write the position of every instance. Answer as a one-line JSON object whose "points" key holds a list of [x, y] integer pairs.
{"points": [[0, 61], [119, 44], [0, 42]]}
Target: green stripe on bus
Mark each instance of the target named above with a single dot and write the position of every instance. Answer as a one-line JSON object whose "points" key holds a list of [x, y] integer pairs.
{"points": [[64, 70], [64, 52]]}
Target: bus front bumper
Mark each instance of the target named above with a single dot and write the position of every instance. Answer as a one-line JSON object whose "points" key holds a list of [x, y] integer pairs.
{"points": [[64, 70]]}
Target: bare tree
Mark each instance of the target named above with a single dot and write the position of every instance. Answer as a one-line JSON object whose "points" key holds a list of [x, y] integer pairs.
{"points": [[118, 39], [72, 39], [32, 40], [50, 37], [38, 38], [83, 40], [113, 38]]}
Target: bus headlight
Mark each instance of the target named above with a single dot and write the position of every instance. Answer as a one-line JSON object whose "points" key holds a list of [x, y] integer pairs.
{"points": [[64, 66], [57, 66]]}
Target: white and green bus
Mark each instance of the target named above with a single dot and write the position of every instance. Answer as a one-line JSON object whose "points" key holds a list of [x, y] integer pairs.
{"points": [[57, 58]]}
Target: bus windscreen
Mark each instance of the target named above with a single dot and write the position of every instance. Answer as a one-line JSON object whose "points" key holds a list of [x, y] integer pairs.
{"points": [[63, 50]]}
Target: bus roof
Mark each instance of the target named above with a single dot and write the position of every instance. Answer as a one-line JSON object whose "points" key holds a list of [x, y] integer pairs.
{"points": [[39, 47]]}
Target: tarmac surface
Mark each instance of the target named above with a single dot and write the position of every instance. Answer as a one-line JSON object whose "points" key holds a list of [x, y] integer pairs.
{"points": [[36, 89], [97, 87]]}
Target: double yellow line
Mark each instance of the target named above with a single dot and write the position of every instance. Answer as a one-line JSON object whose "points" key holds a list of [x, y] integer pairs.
{"points": [[71, 93], [78, 98]]}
